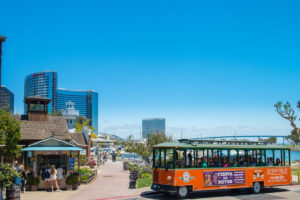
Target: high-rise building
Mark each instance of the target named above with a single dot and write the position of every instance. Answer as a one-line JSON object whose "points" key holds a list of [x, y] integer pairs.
{"points": [[42, 84], [153, 125], [86, 101], [6, 99]]}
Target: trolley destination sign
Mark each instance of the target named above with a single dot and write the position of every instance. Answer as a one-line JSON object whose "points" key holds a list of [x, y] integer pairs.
{"points": [[215, 178]]}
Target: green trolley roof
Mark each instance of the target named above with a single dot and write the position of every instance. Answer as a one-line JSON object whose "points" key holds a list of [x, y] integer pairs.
{"points": [[215, 146]]}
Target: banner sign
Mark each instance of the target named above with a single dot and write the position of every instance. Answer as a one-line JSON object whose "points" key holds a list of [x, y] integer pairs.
{"points": [[71, 163], [215, 178]]}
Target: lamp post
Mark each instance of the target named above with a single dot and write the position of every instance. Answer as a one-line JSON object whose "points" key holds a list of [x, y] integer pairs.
{"points": [[2, 39]]}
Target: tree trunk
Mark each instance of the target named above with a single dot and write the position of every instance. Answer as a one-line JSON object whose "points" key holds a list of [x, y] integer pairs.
{"points": [[298, 132]]}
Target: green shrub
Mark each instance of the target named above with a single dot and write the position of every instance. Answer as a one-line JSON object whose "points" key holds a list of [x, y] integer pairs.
{"points": [[7, 175], [83, 170], [84, 178], [146, 175], [72, 179], [144, 182]]}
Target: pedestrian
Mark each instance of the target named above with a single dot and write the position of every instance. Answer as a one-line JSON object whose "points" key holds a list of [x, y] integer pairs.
{"points": [[60, 176], [23, 178], [16, 166], [53, 177], [105, 157], [47, 173]]}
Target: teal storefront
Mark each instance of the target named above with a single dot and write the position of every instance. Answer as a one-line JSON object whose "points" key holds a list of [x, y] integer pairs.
{"points": [[50, 151]]}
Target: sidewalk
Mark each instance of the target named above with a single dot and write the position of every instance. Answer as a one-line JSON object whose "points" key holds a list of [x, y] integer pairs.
{"points": [[111, 183]]}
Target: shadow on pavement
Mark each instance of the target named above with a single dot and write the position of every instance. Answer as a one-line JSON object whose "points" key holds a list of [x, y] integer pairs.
{"points": [[239, 194]]}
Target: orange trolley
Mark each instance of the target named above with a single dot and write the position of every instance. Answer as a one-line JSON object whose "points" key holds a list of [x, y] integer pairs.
{"points": [[190, 166]]}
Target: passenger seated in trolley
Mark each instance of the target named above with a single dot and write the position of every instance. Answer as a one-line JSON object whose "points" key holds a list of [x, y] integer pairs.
{"points": [[277, 162], [203, 163], [234, 163], [190, 160], [225, 162], [260, 162], [269, 161], [243, 162], [180, 159]]}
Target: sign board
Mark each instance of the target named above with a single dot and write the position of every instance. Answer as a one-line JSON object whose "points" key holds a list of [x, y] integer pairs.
{"points": [[71, 164], [214, 178]]}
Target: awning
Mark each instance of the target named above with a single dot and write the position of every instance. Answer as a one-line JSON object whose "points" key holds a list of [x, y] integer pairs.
{"points": [[53, 149]]}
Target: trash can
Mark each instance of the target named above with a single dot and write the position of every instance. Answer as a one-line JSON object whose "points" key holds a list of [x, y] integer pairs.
{"points": [[125, 165], [13, 192]]}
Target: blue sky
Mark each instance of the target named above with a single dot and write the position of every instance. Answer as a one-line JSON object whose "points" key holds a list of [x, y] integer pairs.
{"points": [[208, 67]]}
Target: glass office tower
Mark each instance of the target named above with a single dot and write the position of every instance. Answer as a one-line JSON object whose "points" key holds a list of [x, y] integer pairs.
{"points": [[86, 101], [153, 125], [42, 84], [7, 99]]}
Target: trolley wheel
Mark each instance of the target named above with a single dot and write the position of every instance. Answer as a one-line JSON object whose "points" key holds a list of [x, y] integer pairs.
{"points": [[182, 192], [257, 186]]}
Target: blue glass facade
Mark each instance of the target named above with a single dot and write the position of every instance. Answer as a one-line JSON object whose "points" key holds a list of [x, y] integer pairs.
{"points": [[153, 125], [84, 101], [7, 99], [42, 84]]}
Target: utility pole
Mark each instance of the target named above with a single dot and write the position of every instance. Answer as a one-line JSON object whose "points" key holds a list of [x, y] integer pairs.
{"points": [[2, 39]]}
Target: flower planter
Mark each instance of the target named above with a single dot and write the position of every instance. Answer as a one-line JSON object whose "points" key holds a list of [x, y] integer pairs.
{"points": [[28, 188], [75, 187], [69, 187], [34, 187]]}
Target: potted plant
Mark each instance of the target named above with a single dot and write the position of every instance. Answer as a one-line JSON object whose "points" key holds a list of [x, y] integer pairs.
{"points": [[76, 180], [72, 182], [69, 184]]}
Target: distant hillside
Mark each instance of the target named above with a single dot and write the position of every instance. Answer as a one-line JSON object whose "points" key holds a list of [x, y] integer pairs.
{"points": [[113, 137]]}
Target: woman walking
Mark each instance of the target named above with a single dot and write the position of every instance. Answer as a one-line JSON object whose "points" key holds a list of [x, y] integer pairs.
{"points": [[53, 177]]}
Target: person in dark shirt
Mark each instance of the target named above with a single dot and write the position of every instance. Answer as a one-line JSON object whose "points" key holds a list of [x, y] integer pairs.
{"points": [[23, 178], [260, 162]]}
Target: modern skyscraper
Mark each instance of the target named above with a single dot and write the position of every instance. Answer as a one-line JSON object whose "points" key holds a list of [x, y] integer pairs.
{"points": [[86, 101], [42, 84], [153, 125], [6, 99]]}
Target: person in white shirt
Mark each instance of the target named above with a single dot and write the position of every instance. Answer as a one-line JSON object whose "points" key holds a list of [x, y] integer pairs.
{"points": [[53, 177], [60, 176]]}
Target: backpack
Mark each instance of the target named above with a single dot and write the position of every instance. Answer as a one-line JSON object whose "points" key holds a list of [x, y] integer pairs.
{"points": [[46, 173]]}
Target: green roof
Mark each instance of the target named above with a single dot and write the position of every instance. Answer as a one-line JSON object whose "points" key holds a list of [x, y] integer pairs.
{"points": [[215, 146]]}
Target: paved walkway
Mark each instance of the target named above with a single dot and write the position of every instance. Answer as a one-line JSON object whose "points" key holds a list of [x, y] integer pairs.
{"points": [[111, 183]]}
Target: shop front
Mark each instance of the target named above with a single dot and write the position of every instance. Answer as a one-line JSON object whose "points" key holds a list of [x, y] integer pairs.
{"points": [[48, 152]]}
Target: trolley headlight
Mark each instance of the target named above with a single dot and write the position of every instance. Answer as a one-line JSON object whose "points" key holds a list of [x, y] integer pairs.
{"points": [[169, 178]]}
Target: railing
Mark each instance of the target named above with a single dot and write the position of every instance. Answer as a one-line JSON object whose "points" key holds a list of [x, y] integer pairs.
{"points": [[89, 177]]}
